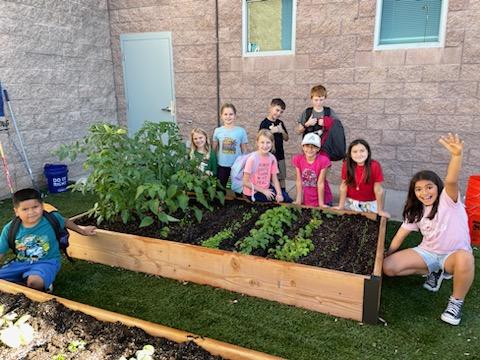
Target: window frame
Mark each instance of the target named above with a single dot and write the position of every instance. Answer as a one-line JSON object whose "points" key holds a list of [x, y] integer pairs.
{"points": [[433, 44], [245, 53]]}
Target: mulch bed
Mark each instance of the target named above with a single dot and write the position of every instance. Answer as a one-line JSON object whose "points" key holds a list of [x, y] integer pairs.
{"points": [[56, 326]]}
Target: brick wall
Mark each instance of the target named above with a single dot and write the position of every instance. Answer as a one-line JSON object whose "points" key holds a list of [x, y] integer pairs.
{"points": [[57, 66], [401, 101]]}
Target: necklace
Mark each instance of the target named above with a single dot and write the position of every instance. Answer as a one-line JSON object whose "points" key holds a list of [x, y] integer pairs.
{"points": [[357, 182]]}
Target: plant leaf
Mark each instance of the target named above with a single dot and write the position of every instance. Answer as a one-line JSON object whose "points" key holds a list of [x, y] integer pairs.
{"points": [[146, 221]]}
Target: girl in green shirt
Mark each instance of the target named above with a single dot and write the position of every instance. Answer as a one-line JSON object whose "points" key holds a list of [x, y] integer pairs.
{"points": [[202, 151]]}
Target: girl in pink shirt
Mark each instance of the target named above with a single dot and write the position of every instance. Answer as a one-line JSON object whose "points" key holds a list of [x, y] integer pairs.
{"points": [[311, 168], [434, 208], [260, 180]]}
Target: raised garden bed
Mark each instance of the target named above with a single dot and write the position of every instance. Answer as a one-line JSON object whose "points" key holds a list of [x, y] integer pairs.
{"points": [[348, 243], [58, 323]]}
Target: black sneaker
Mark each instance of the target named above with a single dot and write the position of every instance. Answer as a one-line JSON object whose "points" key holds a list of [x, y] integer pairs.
{"points": [[453, 312], [434, 280]]}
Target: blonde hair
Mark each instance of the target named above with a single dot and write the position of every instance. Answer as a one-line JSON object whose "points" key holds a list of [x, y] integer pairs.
{"points": [[268, 134], [193, 147]]}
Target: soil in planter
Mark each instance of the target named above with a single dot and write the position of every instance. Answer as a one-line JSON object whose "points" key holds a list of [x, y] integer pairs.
{"points": [[346, 243], [56, 326]]}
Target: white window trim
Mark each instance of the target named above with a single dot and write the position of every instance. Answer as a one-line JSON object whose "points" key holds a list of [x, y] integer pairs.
{"points": [[433, 44], [267, 53]]}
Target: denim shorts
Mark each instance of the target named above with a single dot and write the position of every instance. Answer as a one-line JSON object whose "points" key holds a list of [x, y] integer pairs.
{"points": [[433, 260], [19, 271]]}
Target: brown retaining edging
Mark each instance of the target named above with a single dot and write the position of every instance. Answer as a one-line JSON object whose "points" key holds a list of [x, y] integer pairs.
{"points": [[215, 347]]}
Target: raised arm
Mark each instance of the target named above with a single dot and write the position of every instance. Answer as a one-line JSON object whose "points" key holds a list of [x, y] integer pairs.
{"points": [[454, 145]]}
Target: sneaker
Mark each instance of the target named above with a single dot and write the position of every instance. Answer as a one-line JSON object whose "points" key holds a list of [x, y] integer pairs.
{"points": [[447, 276], [434, 280], [453, 312], [49, 290]]}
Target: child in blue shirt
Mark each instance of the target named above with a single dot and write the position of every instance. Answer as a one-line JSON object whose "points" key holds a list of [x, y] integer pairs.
{"points": [[37, 253], [229, 142]]}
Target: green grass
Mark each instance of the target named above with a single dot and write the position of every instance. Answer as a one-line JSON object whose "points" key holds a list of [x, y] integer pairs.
{"points": [[413, 329]]}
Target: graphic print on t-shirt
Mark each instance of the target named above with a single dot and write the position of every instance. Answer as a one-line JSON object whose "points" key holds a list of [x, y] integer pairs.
{"points": [[229, 146], [32, 247], [309, 178]]}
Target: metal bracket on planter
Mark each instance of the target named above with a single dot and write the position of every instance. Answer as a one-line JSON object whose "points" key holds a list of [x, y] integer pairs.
{"points": [[371, 299]]}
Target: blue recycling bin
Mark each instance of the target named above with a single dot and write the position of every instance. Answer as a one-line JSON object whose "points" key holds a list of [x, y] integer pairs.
{"points": [[57, 177]]}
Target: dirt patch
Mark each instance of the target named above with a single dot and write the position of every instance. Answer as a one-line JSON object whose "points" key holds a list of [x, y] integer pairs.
{"points": [[346, 243], [57, 326]]}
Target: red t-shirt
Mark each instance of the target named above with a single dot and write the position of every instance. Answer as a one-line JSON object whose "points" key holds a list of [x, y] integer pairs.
{"points": [[363, 191]]}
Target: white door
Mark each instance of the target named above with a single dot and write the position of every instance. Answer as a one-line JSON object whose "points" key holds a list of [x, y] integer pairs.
{"points": [[148, 78]]}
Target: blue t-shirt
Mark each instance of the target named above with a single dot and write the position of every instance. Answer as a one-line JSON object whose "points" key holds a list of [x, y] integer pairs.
{"points": [[35, 243], [229, 141]]}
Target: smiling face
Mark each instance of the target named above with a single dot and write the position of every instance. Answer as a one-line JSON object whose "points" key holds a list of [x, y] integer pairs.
{"points": [[264, 145], [359, 154], [199, 140], [228, 116], [426, 192], [310, 151], [30, 212]]}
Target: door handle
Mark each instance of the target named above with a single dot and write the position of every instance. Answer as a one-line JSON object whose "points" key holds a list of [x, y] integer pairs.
{"points": [[167, 109]]}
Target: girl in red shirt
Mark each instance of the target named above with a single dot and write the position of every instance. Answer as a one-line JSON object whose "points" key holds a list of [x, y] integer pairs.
{"points": [[361, 188]]}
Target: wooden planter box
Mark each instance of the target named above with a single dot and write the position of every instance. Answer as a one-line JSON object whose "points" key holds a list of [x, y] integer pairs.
{"points": [[215, 347], [331, 292]]}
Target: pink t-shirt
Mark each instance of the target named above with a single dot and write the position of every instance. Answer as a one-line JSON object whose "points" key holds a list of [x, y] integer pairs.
{"points": [[310, 174], [447, 231], [263, 167]]}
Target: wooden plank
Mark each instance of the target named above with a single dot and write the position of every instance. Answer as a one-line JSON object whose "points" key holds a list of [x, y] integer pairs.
{"points": [[328, 291], [213, 346]]}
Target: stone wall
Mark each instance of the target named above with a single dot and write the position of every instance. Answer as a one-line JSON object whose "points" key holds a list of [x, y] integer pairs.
{"points": [[401, 101], [57, 66]]}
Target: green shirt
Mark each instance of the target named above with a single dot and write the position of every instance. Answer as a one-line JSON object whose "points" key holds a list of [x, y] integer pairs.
{"points": [[210, 164]]}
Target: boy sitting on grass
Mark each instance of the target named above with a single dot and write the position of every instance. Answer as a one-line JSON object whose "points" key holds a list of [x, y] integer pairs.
{"points": [[37, 252]]}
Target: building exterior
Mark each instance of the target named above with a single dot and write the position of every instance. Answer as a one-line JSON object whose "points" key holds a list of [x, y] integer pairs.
{"points": [[65, 69]]}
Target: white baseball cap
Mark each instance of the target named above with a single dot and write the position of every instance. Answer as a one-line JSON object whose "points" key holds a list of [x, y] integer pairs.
{"points": [[312, 139]]}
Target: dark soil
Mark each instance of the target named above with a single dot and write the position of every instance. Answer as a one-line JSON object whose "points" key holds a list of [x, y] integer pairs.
{"points": [[346, 243], [56, 326]]}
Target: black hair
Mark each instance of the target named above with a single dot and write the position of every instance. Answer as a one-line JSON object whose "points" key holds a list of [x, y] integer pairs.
{"points": [[24, 195], [350, 164], [413, 210], [278, 102]]}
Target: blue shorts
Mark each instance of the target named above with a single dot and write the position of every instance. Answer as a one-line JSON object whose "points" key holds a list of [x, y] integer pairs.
{"points": [[19, 271], [433, 260]]}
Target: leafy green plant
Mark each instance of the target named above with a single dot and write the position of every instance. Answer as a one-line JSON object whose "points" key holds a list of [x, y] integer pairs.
{"points": [[215, 240], [15, 332], [269, 228], [59, 357], [293, 249], [143, 177]]}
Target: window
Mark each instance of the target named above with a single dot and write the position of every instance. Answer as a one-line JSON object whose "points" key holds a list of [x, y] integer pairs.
{"points": [[410, 23], [268, 27]]}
